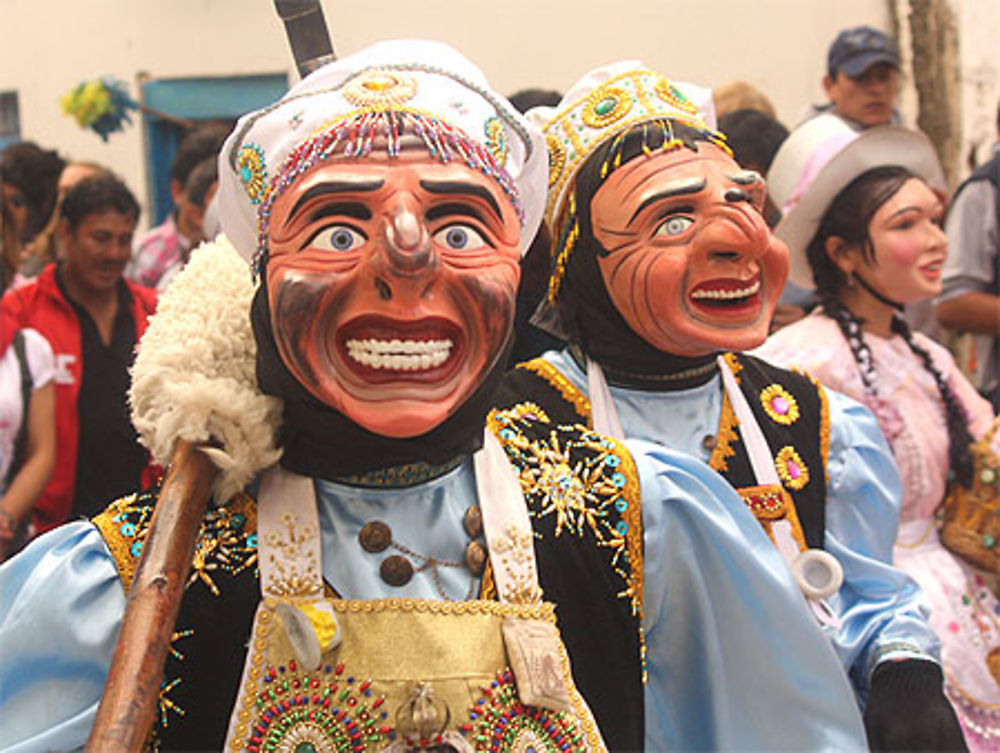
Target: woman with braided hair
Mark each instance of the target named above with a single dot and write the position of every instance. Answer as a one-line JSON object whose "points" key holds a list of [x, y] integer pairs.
{"points": [[863, 224]]}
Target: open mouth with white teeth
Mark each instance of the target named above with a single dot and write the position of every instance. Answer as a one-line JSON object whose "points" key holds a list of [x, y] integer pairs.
{"points": [[377, 348], [399, 355], [733, 295]]}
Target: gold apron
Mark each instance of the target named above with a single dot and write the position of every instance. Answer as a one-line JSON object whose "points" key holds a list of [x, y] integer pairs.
{"points": [[404, 674]]}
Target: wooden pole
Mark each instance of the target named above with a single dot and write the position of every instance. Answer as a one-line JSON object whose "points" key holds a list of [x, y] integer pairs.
{"points": [[129, 703]]}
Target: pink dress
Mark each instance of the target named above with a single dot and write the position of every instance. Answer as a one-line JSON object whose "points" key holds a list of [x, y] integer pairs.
{"points": [[964, 611]]}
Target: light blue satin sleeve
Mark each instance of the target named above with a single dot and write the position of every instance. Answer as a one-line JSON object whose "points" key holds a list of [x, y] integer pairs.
{"points": [[736, 661], [62, 605], [882, 609]]}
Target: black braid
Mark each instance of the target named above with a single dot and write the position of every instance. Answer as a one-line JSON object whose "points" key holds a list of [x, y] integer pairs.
{"points": [[850, 327], [959, 437]]}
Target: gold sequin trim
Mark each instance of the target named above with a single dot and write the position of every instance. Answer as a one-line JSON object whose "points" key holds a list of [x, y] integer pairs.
{"points": [[118, 543], [540, 611], [824, 425], [557, 158], [569, 392], [583, 715], [726, 435], [791, 468], [776, 392], [257, 649], [734, 365]]}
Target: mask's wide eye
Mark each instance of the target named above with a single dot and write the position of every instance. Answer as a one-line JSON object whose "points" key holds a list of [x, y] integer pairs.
{"points": [[338, 238], [459, 238], [674, 225]]}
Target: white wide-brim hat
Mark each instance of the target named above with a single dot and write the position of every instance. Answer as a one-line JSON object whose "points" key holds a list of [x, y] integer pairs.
{"points": [[819, 159]]}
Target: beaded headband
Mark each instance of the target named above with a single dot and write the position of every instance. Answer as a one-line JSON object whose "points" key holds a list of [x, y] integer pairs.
{"points": [[355, 135], [369, 101]]}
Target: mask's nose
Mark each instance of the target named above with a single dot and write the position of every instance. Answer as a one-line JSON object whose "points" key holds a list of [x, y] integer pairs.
{"points": [[407, 241]]}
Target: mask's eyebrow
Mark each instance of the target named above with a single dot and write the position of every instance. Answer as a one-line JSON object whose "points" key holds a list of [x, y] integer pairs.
{"points": [[757, 191], [678, 188], [334, 187], [746, 178], [462, 188]]}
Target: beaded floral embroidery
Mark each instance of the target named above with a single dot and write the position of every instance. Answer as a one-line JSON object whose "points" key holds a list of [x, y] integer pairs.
{"points": [[295, 565], [586, 482], [380, 88], [672, 96], [496, 140], [779, 404], [500, 723], [605, 106], [227, 542], [253, 173], [328, 709], [791, 469]]}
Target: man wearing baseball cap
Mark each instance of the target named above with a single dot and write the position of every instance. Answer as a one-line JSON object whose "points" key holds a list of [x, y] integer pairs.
{"points": [[862, 78]]}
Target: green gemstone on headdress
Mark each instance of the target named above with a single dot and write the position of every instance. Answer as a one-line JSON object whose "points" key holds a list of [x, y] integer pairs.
{"points": [[605, 106], [989, 541]]}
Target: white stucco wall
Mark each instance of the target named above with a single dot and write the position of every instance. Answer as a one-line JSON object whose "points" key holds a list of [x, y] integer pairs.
{"points": [[980, 52], [777, 45]]}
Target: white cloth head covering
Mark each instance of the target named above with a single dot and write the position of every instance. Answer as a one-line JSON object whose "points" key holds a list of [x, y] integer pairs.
{"points": [[605, 102], [362, 102], [819, 159]]}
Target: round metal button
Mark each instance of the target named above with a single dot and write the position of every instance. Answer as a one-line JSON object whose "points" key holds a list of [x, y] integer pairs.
{"points": [[709, 441], [475, 558], [375, 536], [472, 521], [396, 570]]}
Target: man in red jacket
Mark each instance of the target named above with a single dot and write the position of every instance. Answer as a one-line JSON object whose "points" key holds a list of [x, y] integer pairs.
{"points": [[93, 319]]}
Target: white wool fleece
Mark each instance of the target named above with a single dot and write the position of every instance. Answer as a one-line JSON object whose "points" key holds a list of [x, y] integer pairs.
{"points": [[194, 376]]}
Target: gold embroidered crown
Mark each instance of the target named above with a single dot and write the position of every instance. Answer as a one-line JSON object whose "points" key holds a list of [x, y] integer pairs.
{"points": [[605, 103]]}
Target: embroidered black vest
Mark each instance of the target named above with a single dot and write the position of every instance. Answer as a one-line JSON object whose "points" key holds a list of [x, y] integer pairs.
{"points": [[789, 407], [584, 499], [205, 662]]}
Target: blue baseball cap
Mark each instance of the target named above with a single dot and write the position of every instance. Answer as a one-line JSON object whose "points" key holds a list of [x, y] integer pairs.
{"points": [[856, 50]]}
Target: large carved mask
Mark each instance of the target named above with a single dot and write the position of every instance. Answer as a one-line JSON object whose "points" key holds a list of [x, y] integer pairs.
{"points": [[391, 284], [690, 263]]}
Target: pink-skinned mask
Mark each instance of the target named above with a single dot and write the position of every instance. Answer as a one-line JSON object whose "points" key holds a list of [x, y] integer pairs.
{"points": [[691, 265], [391, 285]]}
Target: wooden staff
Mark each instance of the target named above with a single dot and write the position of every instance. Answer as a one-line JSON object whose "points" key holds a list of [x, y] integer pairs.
{"points": [[129, 703]]}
